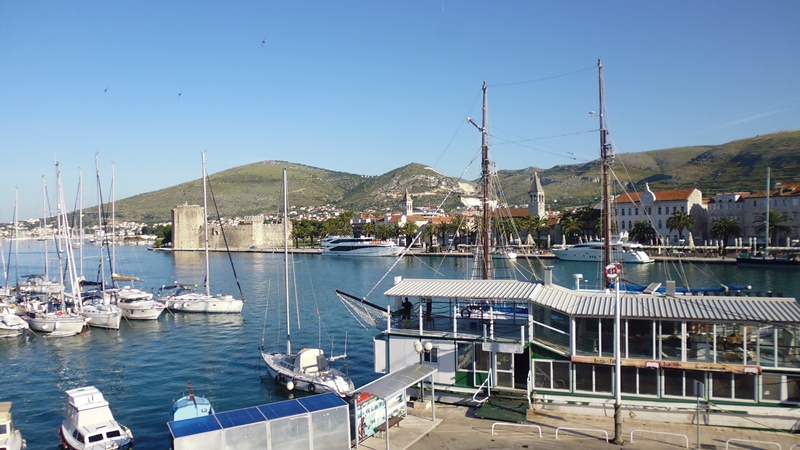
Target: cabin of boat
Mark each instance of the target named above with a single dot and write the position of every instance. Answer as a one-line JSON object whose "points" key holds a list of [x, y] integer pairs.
{"points": [[190, 406], [89, 424], [742, 352], [10, 438]]}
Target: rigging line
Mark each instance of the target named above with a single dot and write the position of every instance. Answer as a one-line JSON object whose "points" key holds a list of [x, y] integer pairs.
{"points": [[403, 253], [573, 156], [458, 129], [552, 77], [224, 237], [266, 309]]}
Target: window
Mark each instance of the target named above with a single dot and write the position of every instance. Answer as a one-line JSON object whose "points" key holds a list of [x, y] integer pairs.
{"points": [[682, 209], [776, 387], [681, 383], [659, 210], [551, 375], [733, 385], [3, 429], [637, 211], [113, 434], [465, 352], [96, 438], [432, 356], [623, 225], [623, 211], [649, 210], [659, 224], [639, 381]]}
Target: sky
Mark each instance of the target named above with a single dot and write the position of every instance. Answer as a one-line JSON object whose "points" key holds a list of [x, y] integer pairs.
{"points": [[366, 87]]}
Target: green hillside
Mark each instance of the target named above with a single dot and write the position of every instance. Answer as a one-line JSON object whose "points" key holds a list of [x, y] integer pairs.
{"points": [[256, 188]]}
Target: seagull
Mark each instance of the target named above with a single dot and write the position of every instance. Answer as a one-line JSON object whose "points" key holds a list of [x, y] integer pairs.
{"points": [[179, 94], [105, 90], [264, 41]]}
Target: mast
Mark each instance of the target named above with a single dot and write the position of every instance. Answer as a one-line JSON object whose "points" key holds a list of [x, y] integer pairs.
{"points": [[485, 233], [16, 237], [766, 221], [286, 263], [80, 217], [100, 223], [113, 229], [205, 227], [606, 158], [44, 228]]}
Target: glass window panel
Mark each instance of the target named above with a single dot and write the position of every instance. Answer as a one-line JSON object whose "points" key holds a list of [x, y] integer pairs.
{"points": [[744, 386], [584, 377], [673, 382], [648, 382], [640, 339], [503, 361], [586, 336], [771, 386], [607, 339], [481, 359], [721, 385], [329, 428], [629, 380], [792, 389], [504, 379], [465, 352], [603, 378], [700, 341], [561, 375], [541, 374], [247, 436], [290, 433]]}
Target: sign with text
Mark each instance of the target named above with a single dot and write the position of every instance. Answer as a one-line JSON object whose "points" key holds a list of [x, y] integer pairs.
{"points": [[498, 347]]}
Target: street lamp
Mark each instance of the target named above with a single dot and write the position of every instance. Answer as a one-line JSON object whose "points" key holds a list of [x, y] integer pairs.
{"points": [[422, 348]]}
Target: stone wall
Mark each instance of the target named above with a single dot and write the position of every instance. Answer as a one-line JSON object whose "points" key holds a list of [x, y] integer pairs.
{"points": [[187, 231]]}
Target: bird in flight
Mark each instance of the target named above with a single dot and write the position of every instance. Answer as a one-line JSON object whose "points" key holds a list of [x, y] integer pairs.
{"points": [[179, 94], [263, 41], [105, 90]]}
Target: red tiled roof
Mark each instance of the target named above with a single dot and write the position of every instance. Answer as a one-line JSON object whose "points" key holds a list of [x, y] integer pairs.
{"points": [[675, 194]]}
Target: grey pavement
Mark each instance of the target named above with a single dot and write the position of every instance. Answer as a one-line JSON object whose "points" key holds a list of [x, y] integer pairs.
{"points": [[456, 428]]}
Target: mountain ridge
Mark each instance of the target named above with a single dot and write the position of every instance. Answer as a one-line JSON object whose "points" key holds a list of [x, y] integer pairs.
{"points": [[256, 188]]}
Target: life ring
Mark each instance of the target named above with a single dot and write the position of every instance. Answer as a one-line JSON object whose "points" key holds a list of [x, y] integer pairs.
{"points": [[613, 270], [466, 312], [312, 388]]}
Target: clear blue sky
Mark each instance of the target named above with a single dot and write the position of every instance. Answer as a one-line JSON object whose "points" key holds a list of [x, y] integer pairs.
{"points": [[368, 86]]}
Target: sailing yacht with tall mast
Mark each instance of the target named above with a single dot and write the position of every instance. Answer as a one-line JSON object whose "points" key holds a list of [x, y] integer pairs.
{"points": [[308, 369], [181, 297]]}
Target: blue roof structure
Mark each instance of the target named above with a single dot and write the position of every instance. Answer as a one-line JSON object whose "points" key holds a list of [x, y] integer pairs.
{"points": [[262, 413]]}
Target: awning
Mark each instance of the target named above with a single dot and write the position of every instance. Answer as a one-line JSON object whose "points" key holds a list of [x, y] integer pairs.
{"points": [[389, 385]]}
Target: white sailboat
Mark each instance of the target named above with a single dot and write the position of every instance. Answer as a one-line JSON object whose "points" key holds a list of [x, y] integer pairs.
{"points": [[49, 317], [181, 297], [308, 369]]}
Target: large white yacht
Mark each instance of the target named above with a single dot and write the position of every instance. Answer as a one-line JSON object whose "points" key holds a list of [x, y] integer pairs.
{"points": [[359, 246], [625, 252]]}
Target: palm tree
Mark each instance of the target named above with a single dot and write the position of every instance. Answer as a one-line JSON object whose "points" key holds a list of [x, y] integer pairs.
{"points": [[429, 231], [680, 220], [570, 225], [409, 231], [642, 231], [368, 229], [776, 226], [724, 229], [535, 225]]}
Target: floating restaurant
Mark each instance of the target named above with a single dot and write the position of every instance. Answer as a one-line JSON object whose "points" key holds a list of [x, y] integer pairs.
{"points": [[736, 354]]}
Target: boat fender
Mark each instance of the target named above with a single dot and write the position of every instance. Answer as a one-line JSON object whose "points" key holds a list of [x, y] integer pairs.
{"points": [[312, 388], [465, 313]]}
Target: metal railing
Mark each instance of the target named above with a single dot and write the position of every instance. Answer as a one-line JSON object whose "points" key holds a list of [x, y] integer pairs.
{"points": [[727, 443], [582, 429], [517, 425], [661, 432], [488, 384]]}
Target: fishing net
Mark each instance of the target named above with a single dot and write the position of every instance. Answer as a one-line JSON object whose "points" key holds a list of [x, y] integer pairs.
{"points": [[365, 312]]}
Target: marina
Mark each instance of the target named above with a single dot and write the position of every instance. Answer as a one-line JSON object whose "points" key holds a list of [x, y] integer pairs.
{"points": [[140, 367]]}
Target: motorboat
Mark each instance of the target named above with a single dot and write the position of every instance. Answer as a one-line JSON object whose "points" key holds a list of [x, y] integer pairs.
{"points": [[137, 304], [11, 325], [190, 406], [592, 251], [359, 246], [183, 297], [308, 369], [89, 423], [10, 437]]}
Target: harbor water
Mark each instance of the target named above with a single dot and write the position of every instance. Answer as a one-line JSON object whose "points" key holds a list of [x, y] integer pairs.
{"points": [[145, 365]]}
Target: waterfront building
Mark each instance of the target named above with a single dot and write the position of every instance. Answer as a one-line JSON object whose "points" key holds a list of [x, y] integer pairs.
{"points": [[657, 207]]}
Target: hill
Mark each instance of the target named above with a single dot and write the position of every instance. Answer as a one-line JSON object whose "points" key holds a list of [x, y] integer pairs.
{"points": [[256, 188]]}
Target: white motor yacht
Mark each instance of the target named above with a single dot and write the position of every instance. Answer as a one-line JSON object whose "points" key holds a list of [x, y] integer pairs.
{"points": [[89, 424], [592, 251], [360, 246], [138, 304], [11, 325]]}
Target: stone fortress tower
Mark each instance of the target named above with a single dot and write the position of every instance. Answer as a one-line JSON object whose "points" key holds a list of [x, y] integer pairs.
{"points": [[250, 232]]}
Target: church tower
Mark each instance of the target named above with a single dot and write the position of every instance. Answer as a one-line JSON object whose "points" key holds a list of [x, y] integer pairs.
{"points": [[536, 198], [408, 204]]}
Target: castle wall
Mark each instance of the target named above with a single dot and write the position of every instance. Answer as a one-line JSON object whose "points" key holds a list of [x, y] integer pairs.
{"points": [[187, 231]]}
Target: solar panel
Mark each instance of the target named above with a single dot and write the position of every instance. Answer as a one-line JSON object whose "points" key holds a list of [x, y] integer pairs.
{"points": [[322, 401], [192, 426], [282, 409], [240, 417]]}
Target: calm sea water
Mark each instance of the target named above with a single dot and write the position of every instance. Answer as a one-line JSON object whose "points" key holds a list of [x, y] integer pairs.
{"points": [[144, 366]]}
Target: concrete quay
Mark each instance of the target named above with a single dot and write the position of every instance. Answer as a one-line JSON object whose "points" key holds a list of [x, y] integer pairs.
{"points": [[456, 428]]}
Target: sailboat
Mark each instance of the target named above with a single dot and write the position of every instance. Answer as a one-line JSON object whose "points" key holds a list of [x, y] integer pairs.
{"points": [[766, 259], [308, 369], [181, 296], [53, 317], [98, 307]]}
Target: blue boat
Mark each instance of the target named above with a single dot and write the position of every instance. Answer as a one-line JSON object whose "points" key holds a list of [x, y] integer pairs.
{"points": [[190, 406]]}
